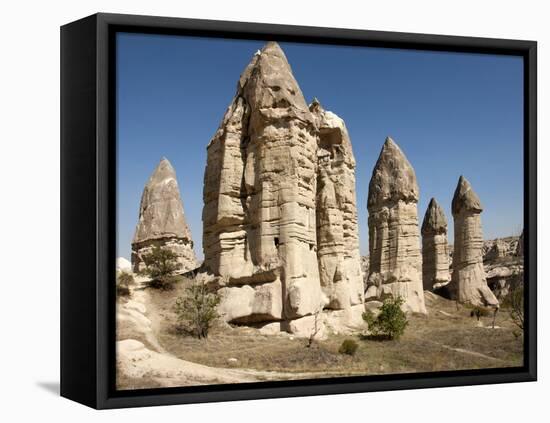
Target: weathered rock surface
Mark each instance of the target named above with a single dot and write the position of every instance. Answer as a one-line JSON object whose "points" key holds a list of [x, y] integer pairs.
{"points": [[435, 252], [395, 267], [468, 282], [336, 211], [260, 188], [264, 212], [162, 220]]}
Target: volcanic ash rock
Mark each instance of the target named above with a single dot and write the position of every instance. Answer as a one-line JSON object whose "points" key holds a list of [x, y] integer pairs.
{"points": [[395, 267], [162, 220], [260, 190], [435, 249], [337, 231], [468, 282]]}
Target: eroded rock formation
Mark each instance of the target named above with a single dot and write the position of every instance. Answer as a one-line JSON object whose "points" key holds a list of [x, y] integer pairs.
{"points": [[162, 220], [468, 283], [261, 217], [337, 232], [395, 267], [435, 249]]}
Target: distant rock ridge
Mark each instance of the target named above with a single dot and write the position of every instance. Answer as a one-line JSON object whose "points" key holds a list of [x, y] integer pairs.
{"points": [[395, 267], [264, 210], [468, 282], [162, 220]]}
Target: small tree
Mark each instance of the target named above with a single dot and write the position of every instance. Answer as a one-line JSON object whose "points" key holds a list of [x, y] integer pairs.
{"points": [[516, 306], [390, 322], [160, 265], [197, 310], [123, 282], [314, 331]]}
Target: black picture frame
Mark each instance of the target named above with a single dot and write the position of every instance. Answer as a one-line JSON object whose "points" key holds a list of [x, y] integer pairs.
{"points": [[88, 160]]}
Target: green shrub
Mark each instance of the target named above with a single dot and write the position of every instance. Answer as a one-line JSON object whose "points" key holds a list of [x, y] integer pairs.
{"points": [[390, 322], [197, 310], [349, 347], [123, 282], [160, 265]]}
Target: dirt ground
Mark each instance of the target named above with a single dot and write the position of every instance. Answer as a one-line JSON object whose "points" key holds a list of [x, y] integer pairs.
{"points": [[447, 339]]}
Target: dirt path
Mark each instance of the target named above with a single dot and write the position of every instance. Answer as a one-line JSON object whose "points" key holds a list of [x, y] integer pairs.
{"points": [[464, 351]]}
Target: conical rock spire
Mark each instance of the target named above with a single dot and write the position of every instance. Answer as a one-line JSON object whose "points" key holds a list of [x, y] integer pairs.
{"points": [[393, 178], [434, 219], [465, 198], [262, 204], [162, 219], [395, 267], [435, 248], [468, 282]]}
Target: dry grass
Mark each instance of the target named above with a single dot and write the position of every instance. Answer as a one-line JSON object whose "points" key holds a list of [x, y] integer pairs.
{"points": [[448, 339]]}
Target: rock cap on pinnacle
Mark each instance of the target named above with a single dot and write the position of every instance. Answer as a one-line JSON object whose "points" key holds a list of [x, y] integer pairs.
{"points": [[465, 198], [393, 178], [161, 209], [268, 82], [435, 221]]}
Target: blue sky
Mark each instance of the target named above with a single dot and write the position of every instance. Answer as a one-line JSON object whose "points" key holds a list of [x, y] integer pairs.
{"points": [[451, 113]]}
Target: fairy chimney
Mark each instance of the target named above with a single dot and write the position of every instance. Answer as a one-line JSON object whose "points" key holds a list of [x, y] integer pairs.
{"points": [[259, 197], [162, 220], [395, 267], [468, 282], [435, 248], [337, 230]]}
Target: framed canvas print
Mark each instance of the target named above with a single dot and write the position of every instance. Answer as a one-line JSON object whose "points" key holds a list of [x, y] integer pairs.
{"points": [[258, 211]]}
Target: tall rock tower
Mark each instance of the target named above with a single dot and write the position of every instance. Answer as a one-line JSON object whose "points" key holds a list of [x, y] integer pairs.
{"points": [[337, 230], [279, 204], [162, 220], [435, 248], [468, 282], [395, 267], [259, 197]]}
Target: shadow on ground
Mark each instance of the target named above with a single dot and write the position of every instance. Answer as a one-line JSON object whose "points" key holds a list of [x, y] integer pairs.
{"points": [[51, 387]]}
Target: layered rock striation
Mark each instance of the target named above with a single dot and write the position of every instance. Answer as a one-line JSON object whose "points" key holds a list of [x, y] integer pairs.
{"points": [[395, 267], [435, 248], [162, 220], [261, 216], [468, 283], [336, 210]]}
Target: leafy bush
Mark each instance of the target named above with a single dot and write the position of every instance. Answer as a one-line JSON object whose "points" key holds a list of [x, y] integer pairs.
{"points": [[123, 282], [160, 265], [349, 347], [390, 322], [197, 310]]}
